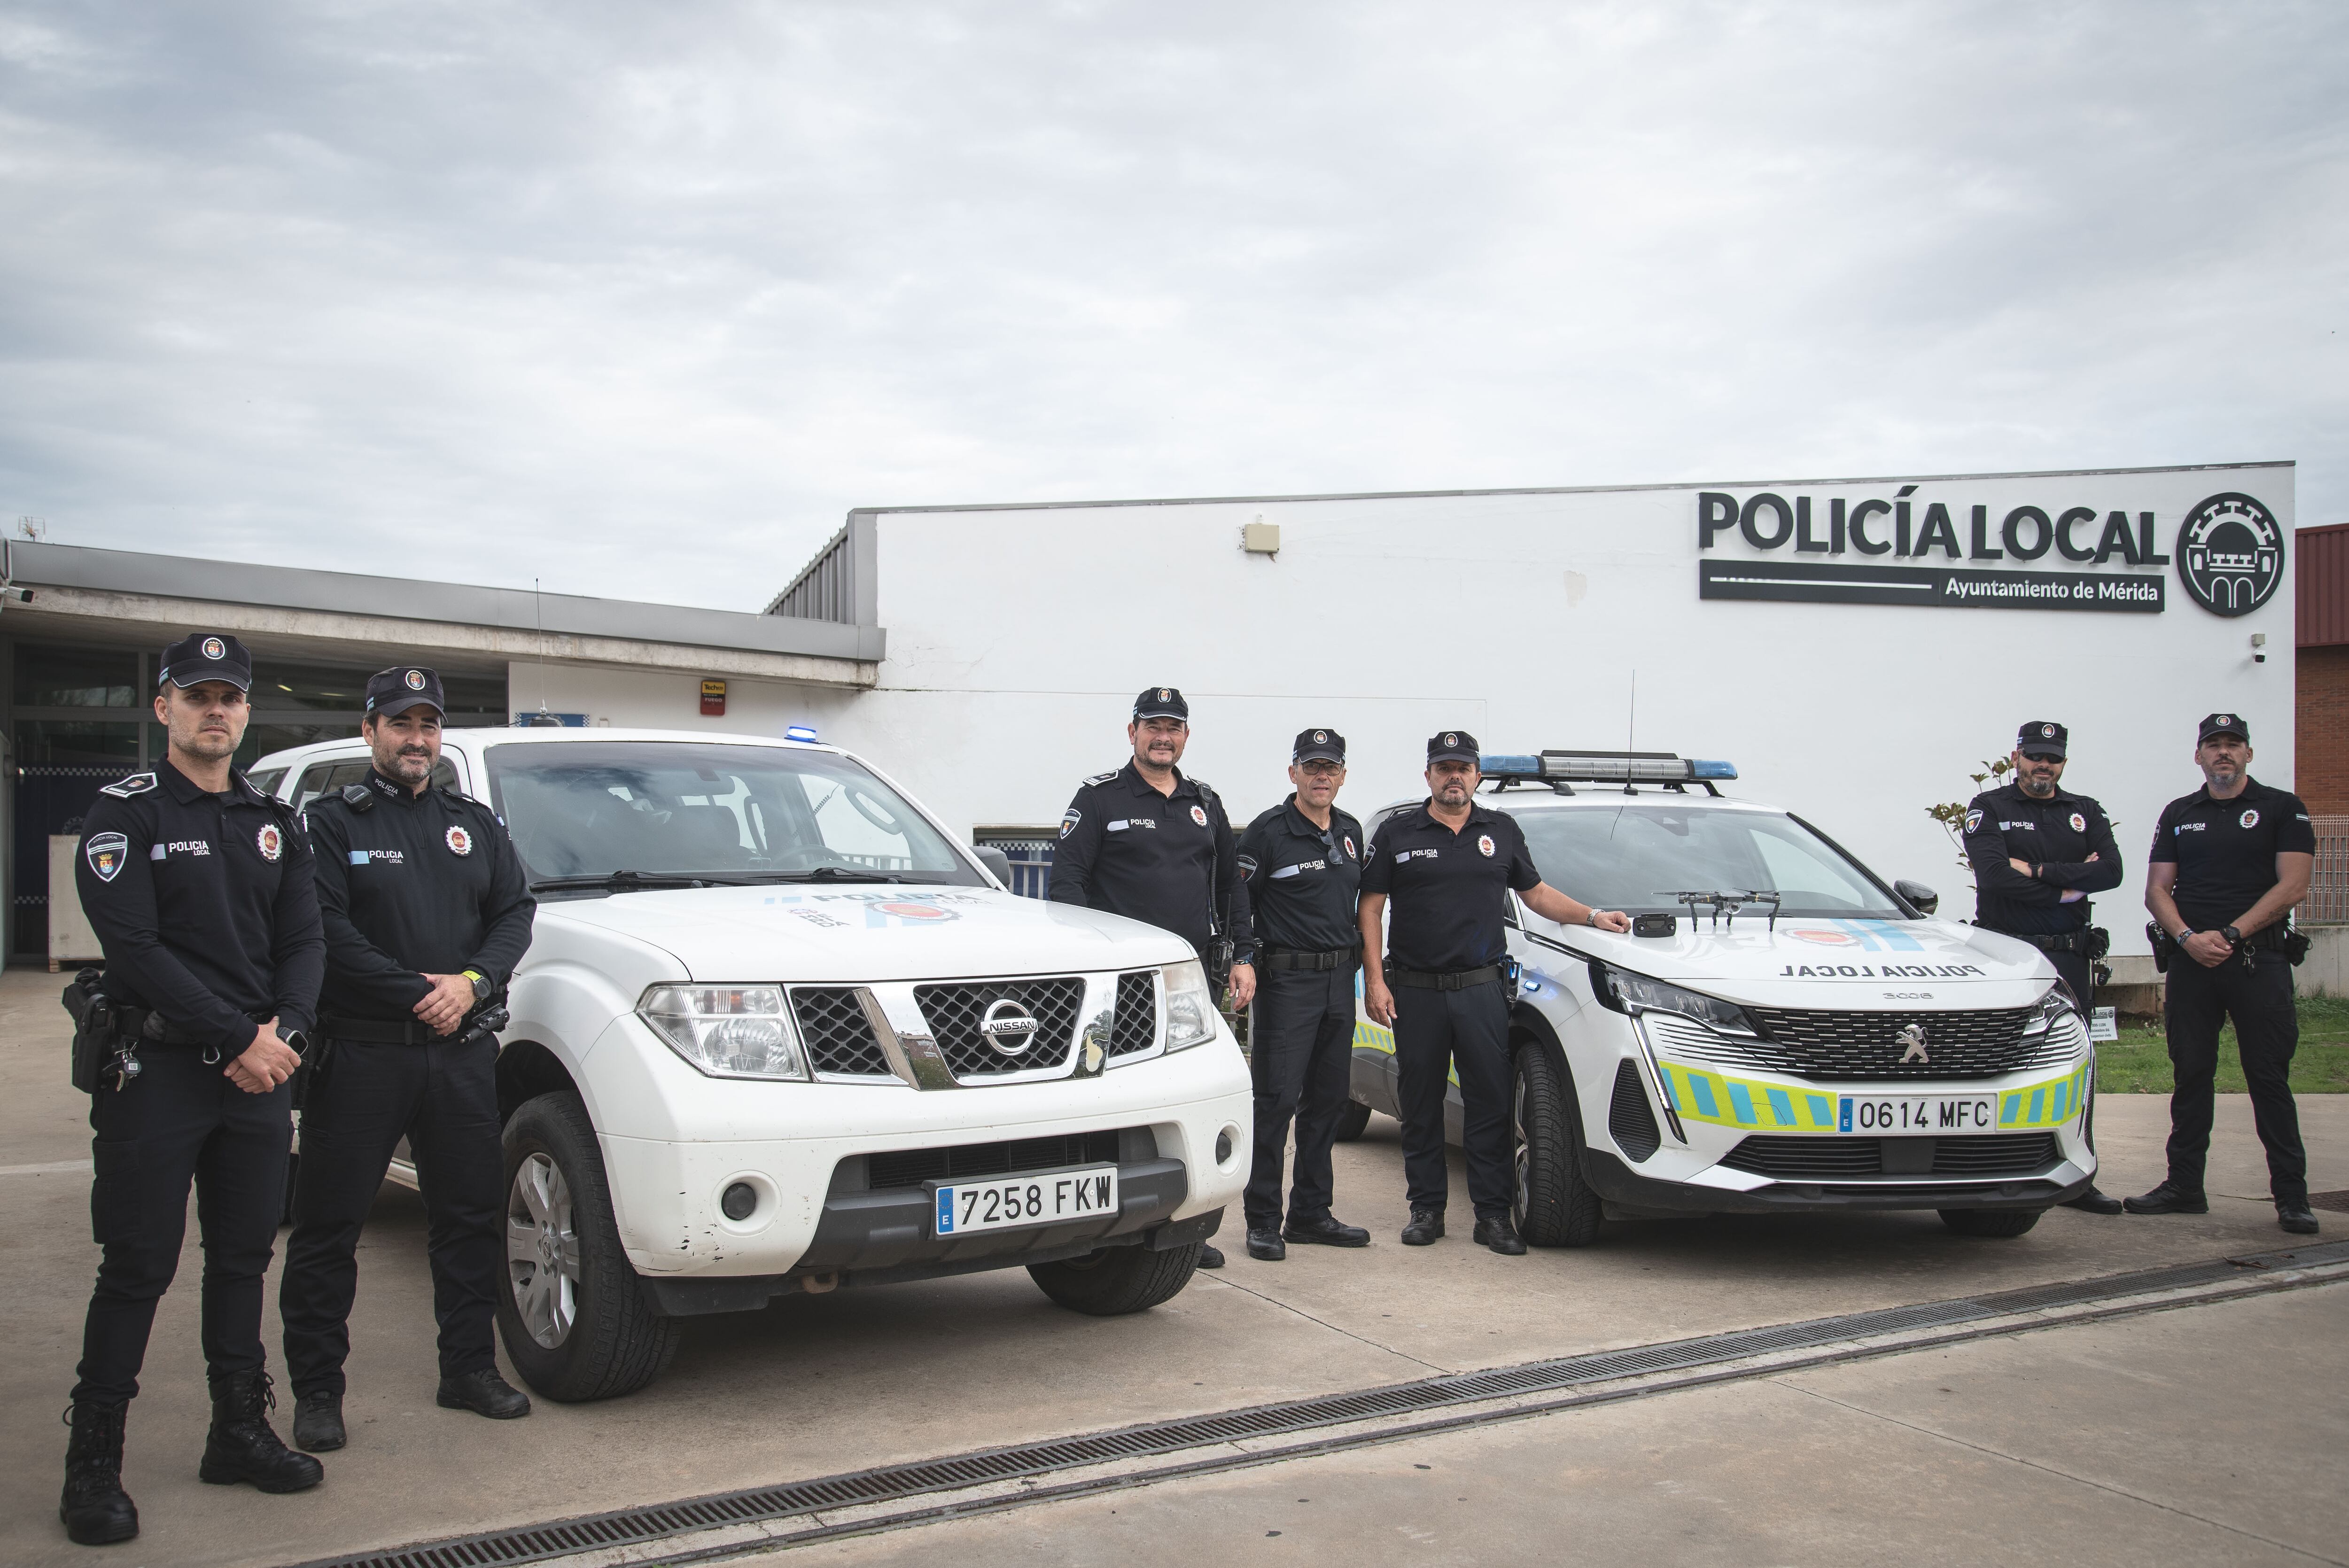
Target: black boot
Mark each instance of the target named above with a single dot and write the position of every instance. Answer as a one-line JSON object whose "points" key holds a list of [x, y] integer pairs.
{"points": [[2094, 1202], [1427, 1228], [318, 1422], [485, 1394], [1500, 1235], [95, 1509], [243, 1446]]}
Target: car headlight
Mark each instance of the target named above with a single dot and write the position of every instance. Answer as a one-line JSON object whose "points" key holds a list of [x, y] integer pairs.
{"points": [[1625, 992], [727, 1031], [2054, 1008], [1190, 1005]]}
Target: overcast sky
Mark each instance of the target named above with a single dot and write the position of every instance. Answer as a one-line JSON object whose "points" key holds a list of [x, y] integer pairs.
{"points": [[640, 299]]}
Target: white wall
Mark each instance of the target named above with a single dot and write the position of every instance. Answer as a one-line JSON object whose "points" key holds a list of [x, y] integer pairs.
{"points": [[1019, 638]]}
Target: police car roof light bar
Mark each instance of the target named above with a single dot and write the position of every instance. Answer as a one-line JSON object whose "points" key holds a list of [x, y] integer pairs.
{"points": [[798, 732], [1561, 768]]}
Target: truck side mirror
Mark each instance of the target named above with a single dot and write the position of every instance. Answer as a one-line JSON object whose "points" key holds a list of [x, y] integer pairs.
{"points": [[994, 860], [1924, 900]]}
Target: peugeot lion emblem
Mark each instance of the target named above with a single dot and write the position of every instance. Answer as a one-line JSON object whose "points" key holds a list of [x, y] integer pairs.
{"points": [[1911, 1036], [1009, 1028]]}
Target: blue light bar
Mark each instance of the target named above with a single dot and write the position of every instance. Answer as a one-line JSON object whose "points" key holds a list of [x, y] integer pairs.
{"points": [[1699, 769], [1503, 765], [802, 732]]}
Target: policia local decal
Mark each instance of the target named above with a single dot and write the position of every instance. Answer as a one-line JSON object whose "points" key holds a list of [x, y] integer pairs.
{"points": [[2229, 554]]}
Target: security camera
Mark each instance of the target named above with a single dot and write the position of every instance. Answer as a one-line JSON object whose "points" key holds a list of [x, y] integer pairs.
{"points": [[2259, 647]]}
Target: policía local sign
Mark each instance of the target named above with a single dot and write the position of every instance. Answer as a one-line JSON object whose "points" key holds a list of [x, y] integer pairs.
{"points": [[2228, 553]]}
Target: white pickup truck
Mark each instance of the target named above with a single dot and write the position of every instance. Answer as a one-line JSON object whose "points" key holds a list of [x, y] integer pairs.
{"points": [[777, 1031]]}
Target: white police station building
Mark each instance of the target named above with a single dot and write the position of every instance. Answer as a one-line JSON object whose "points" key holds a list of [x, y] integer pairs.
{"points": [[1857, 648]]}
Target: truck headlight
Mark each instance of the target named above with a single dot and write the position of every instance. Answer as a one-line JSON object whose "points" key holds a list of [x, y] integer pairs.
{"points": [[1190, 1005], [2054, 1008], [727, 1031], [1625, 992]]}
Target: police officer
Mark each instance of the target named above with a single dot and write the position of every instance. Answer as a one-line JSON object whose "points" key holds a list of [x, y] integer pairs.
{"points": [[1450, 865], [1147, 842], [2228, 862], [427, 912], [198, 888], [1303, 863], [2038, 851]]}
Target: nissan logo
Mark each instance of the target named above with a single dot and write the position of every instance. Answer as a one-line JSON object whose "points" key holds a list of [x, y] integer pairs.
{"points": [[1009, 1028]]}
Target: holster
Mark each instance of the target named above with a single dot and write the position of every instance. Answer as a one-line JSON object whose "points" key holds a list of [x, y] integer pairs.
{"points": [[315, 1062], [1218, 961], [2296, 944], [95, 1027], [2164, 948]]}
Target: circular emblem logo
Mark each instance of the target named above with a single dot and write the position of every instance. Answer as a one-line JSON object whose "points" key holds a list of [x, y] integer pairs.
{"points": [[2249, 819], [1199, 815], [1485, 844], [2079, 823], [1829, 938], [459, 841], [1348, 839], [215, 648], [416, 680], [1451, 741], [1164, 694], [2229, 554], [1009, 1028], [271, 842], [2225, 719], [1320, 738], [2048, 730], [915, 910]]}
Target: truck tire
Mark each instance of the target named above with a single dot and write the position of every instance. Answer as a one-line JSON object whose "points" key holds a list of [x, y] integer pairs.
{"points": [[576, 1323], [1553, 1206], [1352, 1121], [1990, 1221], [1115, 1281]]}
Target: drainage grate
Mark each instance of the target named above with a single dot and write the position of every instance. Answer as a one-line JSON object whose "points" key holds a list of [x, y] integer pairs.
{"points": [[2336, 1202], [538, 1543]]}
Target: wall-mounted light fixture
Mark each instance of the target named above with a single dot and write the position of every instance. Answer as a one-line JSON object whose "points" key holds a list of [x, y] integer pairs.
{"points": [[1260, 538], [2259, 647]]}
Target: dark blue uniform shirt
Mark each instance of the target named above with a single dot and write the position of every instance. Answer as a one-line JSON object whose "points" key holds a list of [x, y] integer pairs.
{"points": [[204, 905], [1302, 882], [414, 884], [1169, 860], [2225, 851], [1447, 891], [2057, 835]]}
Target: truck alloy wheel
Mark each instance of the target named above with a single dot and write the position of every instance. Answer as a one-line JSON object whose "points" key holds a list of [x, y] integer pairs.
{"points": [[542, 1251], [576, 1321]]}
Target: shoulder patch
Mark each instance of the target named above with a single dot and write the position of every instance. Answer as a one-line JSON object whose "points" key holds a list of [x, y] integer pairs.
{"points": [[124, 789], [1099, 778]]}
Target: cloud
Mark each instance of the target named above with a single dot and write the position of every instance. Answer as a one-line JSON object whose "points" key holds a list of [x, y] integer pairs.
{"points": [[639, 299]]}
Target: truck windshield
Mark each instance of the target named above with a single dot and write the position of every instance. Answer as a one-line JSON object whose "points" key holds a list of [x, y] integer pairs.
{"points": [[671, 810], [1634, 858]]}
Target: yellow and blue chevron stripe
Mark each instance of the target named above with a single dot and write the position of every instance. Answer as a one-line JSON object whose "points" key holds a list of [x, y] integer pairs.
{"points": [[1700, 1094]]}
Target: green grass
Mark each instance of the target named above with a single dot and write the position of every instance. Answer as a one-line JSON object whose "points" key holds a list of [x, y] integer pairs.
{"points": [[2138, 1062]]}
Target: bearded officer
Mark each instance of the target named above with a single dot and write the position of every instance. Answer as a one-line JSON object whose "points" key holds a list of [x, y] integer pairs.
{"points": [[1450, 865], [1149, 843], [2228, 864], [1303, 863], [427, 913], [2038, 850], [198, 886]]}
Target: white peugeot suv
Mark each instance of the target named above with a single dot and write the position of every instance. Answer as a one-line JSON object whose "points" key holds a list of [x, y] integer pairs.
{"points": [[1780, 1031], [777, 1032]]}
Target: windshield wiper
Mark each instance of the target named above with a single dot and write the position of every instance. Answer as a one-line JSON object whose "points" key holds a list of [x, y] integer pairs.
{"points": [[623, 882], [837, 874]]}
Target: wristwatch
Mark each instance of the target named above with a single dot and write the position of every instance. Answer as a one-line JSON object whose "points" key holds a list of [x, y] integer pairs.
{"points": [[2234, 938], [482, 986]]}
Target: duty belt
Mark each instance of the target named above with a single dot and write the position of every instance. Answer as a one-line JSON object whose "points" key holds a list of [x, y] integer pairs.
{"points": [[380, 1031], [1300, 958], [1451, 980], [2052, 942]]}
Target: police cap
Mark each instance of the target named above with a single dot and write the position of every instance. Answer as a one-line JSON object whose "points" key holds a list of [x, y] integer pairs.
{"points": [[2224, 724], [1326, 744], [1453, 745], [403, 687], [1162, 702], [206, 657], [2041, 738]]}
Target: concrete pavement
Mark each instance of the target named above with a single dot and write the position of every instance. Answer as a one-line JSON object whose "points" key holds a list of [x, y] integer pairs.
{"points": [[816, 1384]]}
